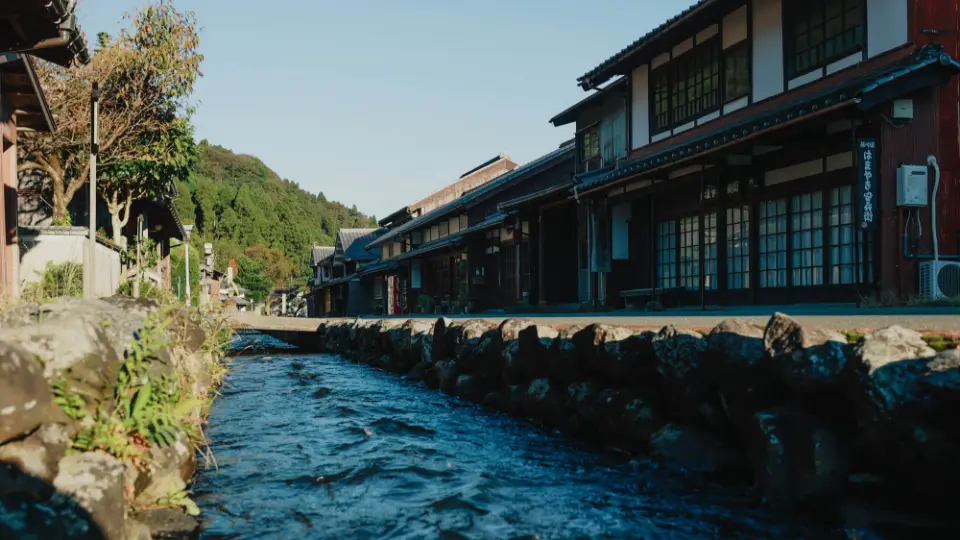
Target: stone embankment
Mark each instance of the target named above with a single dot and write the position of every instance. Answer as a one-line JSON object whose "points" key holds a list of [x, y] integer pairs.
{"points": [[101, 411], [814, 418]]}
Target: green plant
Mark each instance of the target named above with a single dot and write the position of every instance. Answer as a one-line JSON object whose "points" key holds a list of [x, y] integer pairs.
{"points": [[180, 499], [73, 405], [57, 280], [147, 290], [108, 433], [425, 303]]}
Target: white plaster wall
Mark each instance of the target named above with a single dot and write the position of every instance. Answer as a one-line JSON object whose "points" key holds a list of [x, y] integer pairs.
{"points": [[767, 49], [735, 27], [886, 25], [640, 121], [64, 245]]}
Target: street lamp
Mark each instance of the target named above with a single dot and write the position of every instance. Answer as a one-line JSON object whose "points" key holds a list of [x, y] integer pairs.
{"points": [[187, 229]]}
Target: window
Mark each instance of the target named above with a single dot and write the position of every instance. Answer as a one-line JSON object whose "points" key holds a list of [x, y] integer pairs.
{"points": [[710, 251], [738, 247], [444, 229], [690, 252], [464, 222], [773, 243], [687, 87], [736, 71], [841, 236], [806, 214], [589, 144], [666, 254], [820, 31]]}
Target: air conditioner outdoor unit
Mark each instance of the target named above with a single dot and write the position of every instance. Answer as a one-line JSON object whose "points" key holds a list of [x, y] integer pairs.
{"points": [[939, 279]]}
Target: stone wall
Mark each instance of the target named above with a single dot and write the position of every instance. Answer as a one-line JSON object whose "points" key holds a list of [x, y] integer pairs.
{"points": [[813, 418], [101, 407]]}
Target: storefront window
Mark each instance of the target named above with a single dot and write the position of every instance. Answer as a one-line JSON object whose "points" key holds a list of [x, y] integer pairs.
{"points": [[738, 247], [807, 239], [773, 243], [666, 254], [690, 252], [841, 236]]}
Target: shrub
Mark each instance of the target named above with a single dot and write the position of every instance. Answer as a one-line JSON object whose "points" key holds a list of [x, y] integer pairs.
{"points": [[57, 280]]}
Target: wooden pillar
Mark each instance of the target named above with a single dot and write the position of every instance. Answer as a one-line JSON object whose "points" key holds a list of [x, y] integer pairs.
{"points": [[10, 245]]}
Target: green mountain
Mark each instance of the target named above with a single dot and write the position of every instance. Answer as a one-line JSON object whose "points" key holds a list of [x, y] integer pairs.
{"points": [[266, 223]]}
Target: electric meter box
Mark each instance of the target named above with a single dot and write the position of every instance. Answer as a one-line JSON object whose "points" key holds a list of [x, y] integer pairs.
{"points": [[912, 186]]}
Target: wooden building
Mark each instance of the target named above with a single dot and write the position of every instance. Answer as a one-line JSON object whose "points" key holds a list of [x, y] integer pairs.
{"points": [[344, 293], [468, 254], [748, 151]]}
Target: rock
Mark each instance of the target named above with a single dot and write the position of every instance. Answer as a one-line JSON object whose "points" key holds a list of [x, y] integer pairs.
{"points": [[366, 336], [28, 466], [687, 391], [635, 419], [628, 359], [795, 457], [417, 372], [737, 366], [891, 344], [391, 335], [169, 524], [583, 399], [431, 376], [25, 397], [447, 373], [694, 450], [591, 343], [468, 331], [184, 331], [472, 388], [493, 400], [444, 339], [137, 531], [564, 363], [167, 469], [95, 481], [413, 334], [30, 518], [809, 360], [514, 400], [545, 402], [142, 307], [527, 357], [907, 413], [481, 355]]}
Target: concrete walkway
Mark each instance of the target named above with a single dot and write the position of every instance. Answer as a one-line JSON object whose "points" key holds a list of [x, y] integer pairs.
{"points": [[838, 317]]}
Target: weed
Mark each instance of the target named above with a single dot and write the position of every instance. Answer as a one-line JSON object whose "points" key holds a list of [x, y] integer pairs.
{"points": [[73, 405], [64, 279], [180, 499]]}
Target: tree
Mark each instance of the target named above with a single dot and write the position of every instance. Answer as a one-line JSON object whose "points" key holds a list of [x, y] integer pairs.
{"points": [[276, 266], [146, 77]]}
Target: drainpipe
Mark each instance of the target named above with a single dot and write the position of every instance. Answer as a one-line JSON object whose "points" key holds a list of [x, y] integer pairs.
{"points": [[932, 161]]}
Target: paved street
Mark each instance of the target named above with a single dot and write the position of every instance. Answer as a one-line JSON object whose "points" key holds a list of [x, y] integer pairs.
{"points": [[839, 317]]}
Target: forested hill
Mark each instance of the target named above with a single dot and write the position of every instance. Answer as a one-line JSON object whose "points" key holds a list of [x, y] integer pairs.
{"points": [[268, 224]]}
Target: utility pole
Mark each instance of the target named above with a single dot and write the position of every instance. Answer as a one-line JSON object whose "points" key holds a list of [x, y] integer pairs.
{"points": [[186, 250], [89, 274]]}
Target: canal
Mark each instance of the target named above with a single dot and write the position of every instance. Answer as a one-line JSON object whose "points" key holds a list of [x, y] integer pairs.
{"points": [[313, 446]]}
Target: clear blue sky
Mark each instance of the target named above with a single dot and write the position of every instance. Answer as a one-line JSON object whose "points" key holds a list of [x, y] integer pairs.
{"points": [[380, 102]]}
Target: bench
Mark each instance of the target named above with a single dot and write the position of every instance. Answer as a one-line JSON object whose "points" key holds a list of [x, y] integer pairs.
{"points": [[654, 293]]}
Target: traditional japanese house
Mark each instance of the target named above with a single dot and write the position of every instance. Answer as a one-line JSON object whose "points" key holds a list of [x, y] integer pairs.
{"points": [[348, 293], [321, 261], [776, 151], [467, 253], [49, 30]]}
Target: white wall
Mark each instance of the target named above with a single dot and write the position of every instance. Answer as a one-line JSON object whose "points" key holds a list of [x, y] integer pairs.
{"points": [[886, 25], [640, 120], [767, 49], [58, 245]]}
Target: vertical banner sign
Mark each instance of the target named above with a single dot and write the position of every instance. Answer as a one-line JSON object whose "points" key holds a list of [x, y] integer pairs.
{"points": [[867, 183]]}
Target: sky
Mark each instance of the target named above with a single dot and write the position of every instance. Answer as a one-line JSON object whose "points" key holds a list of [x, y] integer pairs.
{"points": [[378, 103]]}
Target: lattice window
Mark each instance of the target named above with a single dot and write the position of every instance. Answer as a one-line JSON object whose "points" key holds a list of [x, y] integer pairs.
{"points": [[773, 243], [842, 243], [820, 31], [806, 212], [690, 252], [710, 251], [736, 71], [660, 98], [686, 88], [738, 247], [667, 254]]}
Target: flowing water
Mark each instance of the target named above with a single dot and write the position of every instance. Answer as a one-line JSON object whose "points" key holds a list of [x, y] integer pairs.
{"points": [[313, 446]]}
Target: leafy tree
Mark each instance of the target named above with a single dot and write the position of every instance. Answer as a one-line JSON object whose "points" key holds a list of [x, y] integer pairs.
{"points": [[178, 266], [146, 76], [253, 278]]}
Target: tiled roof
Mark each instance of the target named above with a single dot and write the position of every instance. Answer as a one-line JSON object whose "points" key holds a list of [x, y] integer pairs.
{"points": [[570, 114], [480, 193], [352, 242], [535, 196], [600, 74], [856, 91], [320, 253]]}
